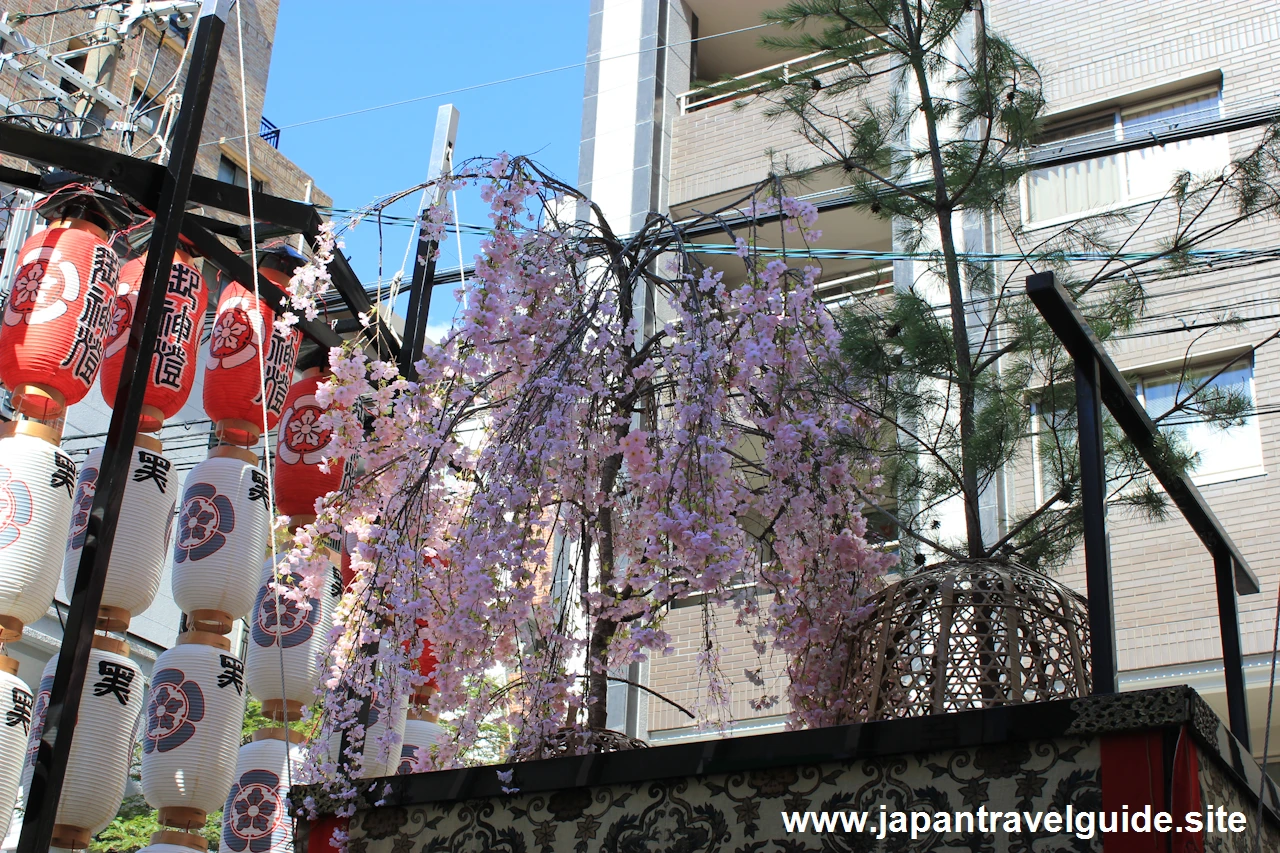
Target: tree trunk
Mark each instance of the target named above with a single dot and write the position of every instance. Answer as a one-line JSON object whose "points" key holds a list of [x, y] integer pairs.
{"points": [[955, 292], [603, 631]]}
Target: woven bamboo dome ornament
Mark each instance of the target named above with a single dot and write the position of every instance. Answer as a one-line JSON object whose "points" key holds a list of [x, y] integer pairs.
{"points": [[283, 635], [36, 484], [57, 313], [421, 732], [173, 367], [232, 379], [223, 524], [16, 703], [142, 534], [102, 750], [967, 635], [373, 759], [191, 728], [255, 817], [302, 446]]}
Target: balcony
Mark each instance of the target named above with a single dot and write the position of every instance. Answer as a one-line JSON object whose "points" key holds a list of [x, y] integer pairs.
{"points": [[750, 83], [270, 133]]}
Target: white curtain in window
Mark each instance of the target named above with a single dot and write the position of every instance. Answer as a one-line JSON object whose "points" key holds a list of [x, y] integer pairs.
{"points": [[1150, 171], [1072, 188], [1224, 452]]}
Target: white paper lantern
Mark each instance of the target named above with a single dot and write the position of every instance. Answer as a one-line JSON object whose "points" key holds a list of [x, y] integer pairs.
{"points": [[418, 734], [168, 841], [223, 523], [142, 532], [191, 728], [374, 759], [16, 704], [102, 748], [36, 482], [255, 817], [282, 635]]}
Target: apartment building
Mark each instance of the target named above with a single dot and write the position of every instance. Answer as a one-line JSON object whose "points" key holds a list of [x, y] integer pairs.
{"points": [[655, 138], [122, 96]]}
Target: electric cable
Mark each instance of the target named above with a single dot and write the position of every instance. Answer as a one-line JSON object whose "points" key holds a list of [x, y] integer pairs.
{"points": [[512, 79]]}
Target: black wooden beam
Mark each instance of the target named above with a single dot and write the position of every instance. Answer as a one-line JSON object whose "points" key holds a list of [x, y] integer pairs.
{"points": [[1232, 574], [1060, 311], [1103, 659], [238, 269], [141, 181]]}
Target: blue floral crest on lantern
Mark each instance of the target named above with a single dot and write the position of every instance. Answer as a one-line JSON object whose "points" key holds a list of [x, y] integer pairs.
{"points": [[207, 517], [254, 812], [287, 623], [173, 709], [85, 490], [15, 507]]}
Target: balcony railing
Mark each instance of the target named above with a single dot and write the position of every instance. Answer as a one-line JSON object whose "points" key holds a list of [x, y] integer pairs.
{"points": [[270, 133], [751, 82]]}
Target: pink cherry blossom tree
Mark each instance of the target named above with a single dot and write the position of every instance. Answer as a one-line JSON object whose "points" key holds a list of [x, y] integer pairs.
{"points": [[609, 428]]}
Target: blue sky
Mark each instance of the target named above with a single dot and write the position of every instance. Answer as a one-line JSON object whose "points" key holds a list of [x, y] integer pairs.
{"points": [[331, 57]]}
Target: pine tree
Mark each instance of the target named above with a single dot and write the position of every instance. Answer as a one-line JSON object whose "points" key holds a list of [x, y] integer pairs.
{"points": [[948, 358]]}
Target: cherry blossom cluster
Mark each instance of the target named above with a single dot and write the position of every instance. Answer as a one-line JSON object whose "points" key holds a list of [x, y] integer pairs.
{"points": [[310, 281], [608, 429]]}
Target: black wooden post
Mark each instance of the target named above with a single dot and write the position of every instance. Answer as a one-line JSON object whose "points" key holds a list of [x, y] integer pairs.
{"points": [[86, 595], [1097, 553], [1232, 653]]}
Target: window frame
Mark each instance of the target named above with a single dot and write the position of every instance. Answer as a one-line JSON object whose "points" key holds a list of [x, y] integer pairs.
{"points": [[1117, 113], [1138, 379], [1211, 478], [260, 184]]}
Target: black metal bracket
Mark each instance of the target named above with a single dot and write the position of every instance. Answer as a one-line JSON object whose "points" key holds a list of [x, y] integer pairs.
{"points": [[1099, 380]]}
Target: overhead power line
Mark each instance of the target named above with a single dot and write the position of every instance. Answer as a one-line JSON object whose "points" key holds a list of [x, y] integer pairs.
{"points": [[514, 79]]}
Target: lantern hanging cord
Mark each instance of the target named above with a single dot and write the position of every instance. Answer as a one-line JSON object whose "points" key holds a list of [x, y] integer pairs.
{"points": [[265, 338]]}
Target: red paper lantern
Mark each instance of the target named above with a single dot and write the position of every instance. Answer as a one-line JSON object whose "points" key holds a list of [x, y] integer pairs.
{"points": [[232, 380], [301, 445], [173, 367], [427, 663], [56, 317], [346, 573]]}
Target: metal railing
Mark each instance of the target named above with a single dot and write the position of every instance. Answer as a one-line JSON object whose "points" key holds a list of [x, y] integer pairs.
{"points": [[270, 133], [720, 93]]}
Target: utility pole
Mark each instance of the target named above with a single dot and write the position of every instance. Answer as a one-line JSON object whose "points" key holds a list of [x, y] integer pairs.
{"points": [[424, 264]]}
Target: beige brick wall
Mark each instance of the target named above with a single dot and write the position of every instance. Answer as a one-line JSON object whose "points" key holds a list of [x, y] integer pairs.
{"points": [[677, 676], [1092, 51], [725, 147], [1163, 578]]}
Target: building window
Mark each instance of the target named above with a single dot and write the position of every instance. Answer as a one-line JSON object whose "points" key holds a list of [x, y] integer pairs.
{"points": [[1063, 192], [231, 172], [1053, 443], [1224, 451]]}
